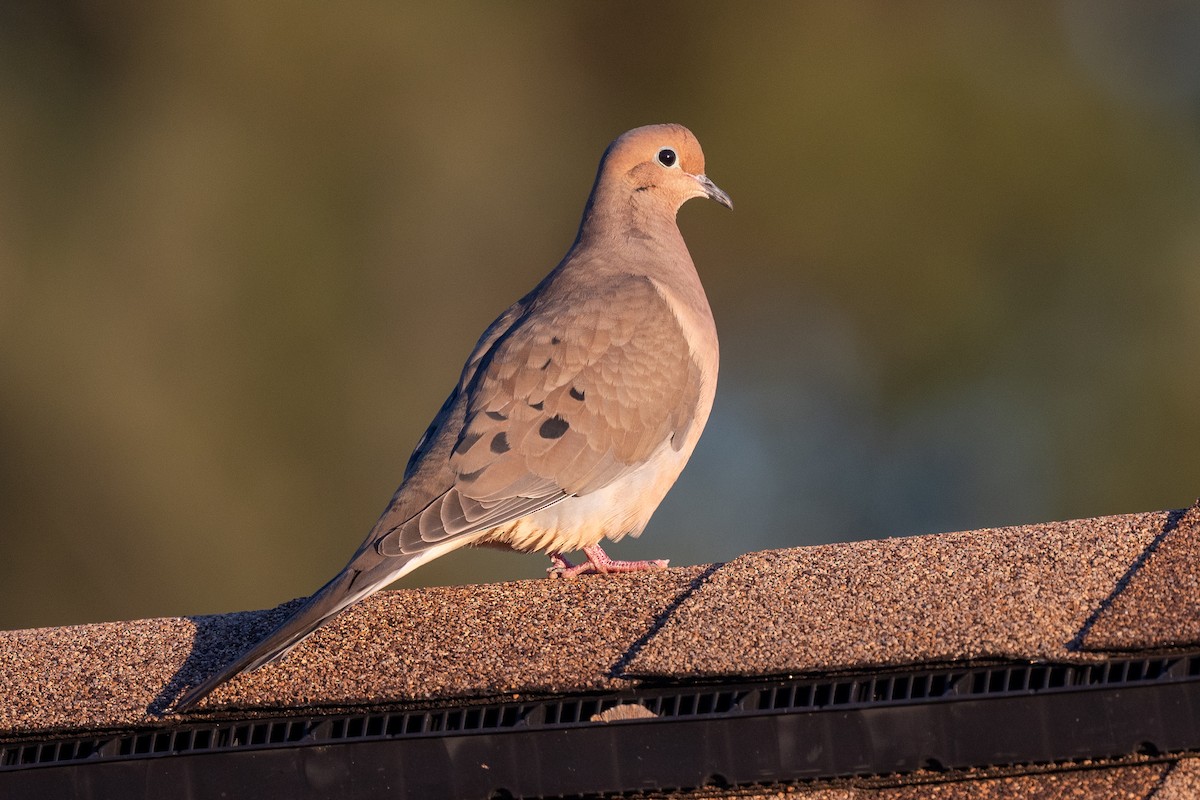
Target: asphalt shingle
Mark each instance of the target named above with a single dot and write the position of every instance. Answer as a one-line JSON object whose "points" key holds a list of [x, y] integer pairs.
{"points": [[1158, 603], [1006, 593], [1027, 593]]}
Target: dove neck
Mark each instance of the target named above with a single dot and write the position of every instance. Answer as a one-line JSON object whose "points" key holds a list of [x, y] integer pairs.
{"points": [[616, 219]]}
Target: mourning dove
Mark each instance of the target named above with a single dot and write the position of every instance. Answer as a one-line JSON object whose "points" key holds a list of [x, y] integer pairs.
{"points": [[577, 409]]}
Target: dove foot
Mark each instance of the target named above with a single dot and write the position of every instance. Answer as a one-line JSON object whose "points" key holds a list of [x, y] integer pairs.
{"points": [[598, 563]]}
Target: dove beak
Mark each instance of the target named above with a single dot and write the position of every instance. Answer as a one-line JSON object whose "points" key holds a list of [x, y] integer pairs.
{"points": [[712, 191]]}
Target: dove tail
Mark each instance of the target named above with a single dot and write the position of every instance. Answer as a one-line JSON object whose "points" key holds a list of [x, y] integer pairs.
{"points": [[316, 611], [363, 576]]}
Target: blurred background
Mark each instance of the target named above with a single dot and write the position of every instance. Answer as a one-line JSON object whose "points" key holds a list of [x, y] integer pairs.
{"points": [[246, 247]]}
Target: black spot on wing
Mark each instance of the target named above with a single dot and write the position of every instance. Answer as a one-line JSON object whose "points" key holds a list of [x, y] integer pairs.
{"points": [[466, 441], [577, 393], [499, 444], [468, 477], [496, 415], [538, 406], [553, 428]]}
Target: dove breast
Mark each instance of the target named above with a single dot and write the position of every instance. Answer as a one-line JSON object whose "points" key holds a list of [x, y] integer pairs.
{"points": [[637, 407]]}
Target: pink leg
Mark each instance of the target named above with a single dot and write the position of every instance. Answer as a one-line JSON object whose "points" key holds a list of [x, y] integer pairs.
{"points": [[598, 562]]}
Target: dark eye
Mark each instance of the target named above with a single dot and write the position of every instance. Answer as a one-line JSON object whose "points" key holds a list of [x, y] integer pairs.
{"points": [[667, 157]]}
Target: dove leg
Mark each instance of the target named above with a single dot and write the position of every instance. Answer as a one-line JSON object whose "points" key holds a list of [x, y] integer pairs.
{"points": [[598, 562]]}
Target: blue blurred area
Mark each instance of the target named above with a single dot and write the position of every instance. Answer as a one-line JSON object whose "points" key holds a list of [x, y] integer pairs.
{"points": [[245, 248]]}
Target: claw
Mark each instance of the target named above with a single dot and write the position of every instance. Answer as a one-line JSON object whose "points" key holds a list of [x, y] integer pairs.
{"points": [[559, 565], [599, 563]]}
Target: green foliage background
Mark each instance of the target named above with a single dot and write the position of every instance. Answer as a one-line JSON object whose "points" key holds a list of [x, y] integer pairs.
{"points": [[245, 248]]}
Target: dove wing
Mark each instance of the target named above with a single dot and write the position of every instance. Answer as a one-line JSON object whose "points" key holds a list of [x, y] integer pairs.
{"points": [[558, 404]]}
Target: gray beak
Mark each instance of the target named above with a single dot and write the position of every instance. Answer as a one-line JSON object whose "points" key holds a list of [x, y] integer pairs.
{"points": [[713, 191]]}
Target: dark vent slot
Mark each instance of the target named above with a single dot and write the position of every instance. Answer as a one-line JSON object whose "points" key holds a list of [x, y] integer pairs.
{"points": [[879, 690], [241, 735], [370, 726], [464, 719], [773, 698], [1034, 678], [292, 731], [80, 749], [140, 744], [568, 712], [884, 689], [1128, 672], [180, 741]]}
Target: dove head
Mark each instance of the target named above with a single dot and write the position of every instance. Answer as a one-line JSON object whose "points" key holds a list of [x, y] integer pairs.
{"points": [[658, 167]]}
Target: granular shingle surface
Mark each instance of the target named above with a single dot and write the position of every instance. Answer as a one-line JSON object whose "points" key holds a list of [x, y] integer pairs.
{"points": [[1023, 593], [1159, 604], [415, 645], [1181, 782]]}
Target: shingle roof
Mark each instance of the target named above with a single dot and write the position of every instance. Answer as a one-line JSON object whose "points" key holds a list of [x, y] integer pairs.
{"points": [[1061, 592], [1028, 592]]}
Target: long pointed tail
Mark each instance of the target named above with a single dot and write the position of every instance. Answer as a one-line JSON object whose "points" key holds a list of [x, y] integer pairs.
{"points": [[366, 573], [331, 598]]}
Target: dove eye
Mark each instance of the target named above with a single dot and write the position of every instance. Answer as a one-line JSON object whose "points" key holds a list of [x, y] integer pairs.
{"points": [[667, 157]]}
